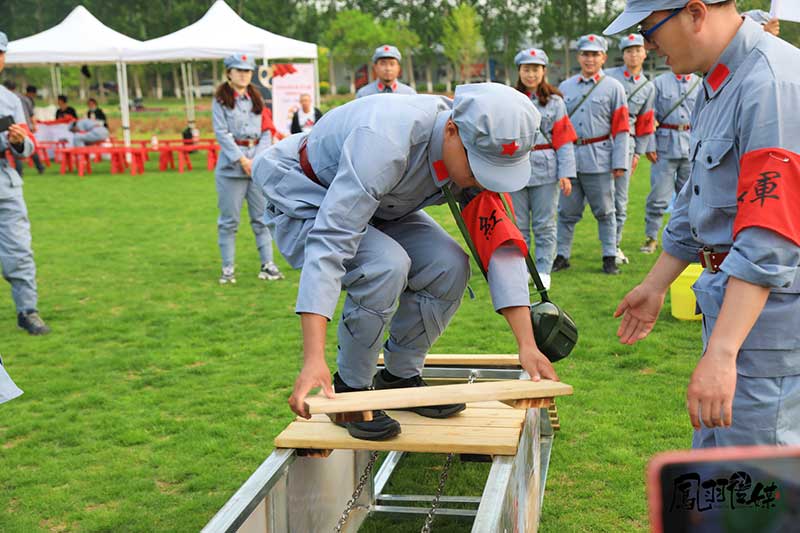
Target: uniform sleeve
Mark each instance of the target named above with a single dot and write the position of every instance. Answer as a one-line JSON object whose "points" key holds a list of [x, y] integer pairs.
{"points": [[563, 139], [766, 230], [19, 118], [677, 238], [620, 128], [508, 278], [363, 177], [646, 124], [224, 136]]}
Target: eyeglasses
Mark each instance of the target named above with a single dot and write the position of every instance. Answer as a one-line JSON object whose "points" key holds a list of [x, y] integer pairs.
{"points": [[647, 34]]}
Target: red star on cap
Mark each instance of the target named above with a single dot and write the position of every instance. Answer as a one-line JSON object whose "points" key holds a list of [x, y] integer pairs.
{"points": [[510, 148], [244, 58], [591, 37], [631, 37], [533, 52], [385, 48]]}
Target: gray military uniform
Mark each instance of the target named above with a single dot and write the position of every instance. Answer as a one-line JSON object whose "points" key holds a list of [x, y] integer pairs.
{"points": [[8, 389], [745, 127], [16, 255], [362, 229], [233, 184], [89, 131], [378, 87]]}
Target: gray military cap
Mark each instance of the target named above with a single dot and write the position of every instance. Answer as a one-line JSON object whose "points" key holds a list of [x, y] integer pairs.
{"points": [[638, 10], [498, 126], [531, 56], [385, 51], [3, 42]]}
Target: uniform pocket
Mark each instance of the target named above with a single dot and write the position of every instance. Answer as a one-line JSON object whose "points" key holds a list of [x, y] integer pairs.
{"points": [[719, 171]]}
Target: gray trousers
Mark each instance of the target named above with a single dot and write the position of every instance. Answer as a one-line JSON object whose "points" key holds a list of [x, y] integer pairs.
{"points": [[766, 411], [667, 176], [535, 209], [621, 186], [16, 255], [231, 192], [598, 190], [408, 276]]}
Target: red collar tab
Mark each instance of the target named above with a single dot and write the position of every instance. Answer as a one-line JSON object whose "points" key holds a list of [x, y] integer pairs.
{"points": [[381, 86], [510, 148], [596, 77], [627, 74], [717, 76], [441, 170]]}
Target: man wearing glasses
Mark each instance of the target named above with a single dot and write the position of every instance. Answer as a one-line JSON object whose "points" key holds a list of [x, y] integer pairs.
{"points": [[737, 215]]}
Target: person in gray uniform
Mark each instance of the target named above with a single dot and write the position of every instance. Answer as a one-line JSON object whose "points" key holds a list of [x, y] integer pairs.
{"points": [[640, 94], [386, 66], [236, 117], [738, 214], [552, 160], [598, 109], [346, 203], [676, 95], [16, 255], [88, 131], [8, 389]]}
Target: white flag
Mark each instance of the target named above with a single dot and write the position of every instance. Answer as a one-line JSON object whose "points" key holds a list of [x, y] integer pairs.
{"points": [[786, 10]]}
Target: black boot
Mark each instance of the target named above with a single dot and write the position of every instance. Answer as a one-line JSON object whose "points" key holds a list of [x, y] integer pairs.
{"points": [[31, 322], [381, 427], [610, 265], [560, 263], [385, 380]]}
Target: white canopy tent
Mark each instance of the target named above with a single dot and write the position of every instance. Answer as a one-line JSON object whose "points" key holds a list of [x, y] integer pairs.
{"points": [[79, 39], [216, 35]]}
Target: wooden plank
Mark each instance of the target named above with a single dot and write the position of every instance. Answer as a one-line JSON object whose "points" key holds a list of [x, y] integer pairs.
{"points": [[477, 419], [469, 360], [443, 394], [426, 439]]}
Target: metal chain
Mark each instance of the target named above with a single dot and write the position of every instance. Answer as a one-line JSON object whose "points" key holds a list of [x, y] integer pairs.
{"points": [[426, 527], [351, 503]]}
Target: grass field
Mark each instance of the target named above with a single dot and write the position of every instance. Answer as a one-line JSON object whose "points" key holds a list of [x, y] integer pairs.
{"points": [[159, 391]]}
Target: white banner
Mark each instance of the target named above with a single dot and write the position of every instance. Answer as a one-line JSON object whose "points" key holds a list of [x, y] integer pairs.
{"points": [[287, 86], [786, 10]]}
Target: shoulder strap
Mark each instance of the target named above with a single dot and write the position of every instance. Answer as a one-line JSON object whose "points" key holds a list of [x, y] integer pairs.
{"points": [[639, 88], [682, 98], [462, 226], [585, 96]]}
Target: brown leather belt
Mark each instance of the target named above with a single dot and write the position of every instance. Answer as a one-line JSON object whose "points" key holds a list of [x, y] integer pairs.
{"points": [[710, 260], [677, 127], [305, 165], [246, 142], [581, 142], [543, 147]]}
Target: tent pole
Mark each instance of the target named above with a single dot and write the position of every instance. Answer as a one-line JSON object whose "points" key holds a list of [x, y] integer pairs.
{"points": [[53, 84], [125, 107], [190, 78], [186, 95], [316, 81], [58, 80]]}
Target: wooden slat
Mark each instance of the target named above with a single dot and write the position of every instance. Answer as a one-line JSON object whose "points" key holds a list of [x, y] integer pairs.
{"points": [[460, 359], [477, 418], [427, 439], [436, 395]]}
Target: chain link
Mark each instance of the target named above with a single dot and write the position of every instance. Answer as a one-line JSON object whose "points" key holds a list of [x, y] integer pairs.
{"points": [[351, 503]]}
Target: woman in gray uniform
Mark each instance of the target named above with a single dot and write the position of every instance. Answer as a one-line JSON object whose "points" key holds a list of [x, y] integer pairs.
{"points": [[552, 160], [236, 115]]}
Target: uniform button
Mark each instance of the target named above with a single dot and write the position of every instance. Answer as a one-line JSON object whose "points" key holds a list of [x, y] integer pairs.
{"points": [[697, 189], [709, 160], [694, 232]]}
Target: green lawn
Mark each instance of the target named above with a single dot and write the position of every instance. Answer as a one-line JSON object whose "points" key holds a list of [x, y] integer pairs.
{"points": [[159, 392]]}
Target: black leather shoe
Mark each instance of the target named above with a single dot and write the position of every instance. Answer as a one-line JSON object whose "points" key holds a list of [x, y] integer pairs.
{"points": [[385, 380], [610, 265], [560, 263], [381, 427], [32, 323]]}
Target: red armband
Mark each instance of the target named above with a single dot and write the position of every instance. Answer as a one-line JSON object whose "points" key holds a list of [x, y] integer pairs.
{"points": [[620, 122], [490, 227], [266, 121], [769, 192], [646, 123], [563, 133]]}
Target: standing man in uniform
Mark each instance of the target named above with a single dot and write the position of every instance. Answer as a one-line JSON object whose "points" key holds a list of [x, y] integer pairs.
{"points": [[738, 214], [16, 256], [386, 66], [676, 95], [597, 108], [640, 94], [346, 203]]}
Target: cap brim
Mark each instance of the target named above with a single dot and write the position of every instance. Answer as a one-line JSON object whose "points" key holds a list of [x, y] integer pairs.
{"points": [[592, 48], [625, 21], [499, 178]]}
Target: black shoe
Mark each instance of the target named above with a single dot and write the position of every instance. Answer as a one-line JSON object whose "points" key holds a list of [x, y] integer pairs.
{"points": [[610, 265], [560, 263], [381, 427], [385, 380], [32, 323]]}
